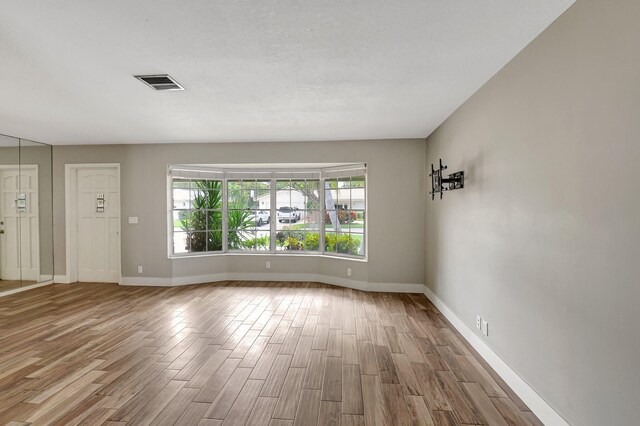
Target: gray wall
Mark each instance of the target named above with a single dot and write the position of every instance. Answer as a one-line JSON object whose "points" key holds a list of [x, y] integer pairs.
{"points": [[544, 240], [396, 206]]}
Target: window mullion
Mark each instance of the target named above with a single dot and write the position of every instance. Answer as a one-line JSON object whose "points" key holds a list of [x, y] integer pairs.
{"points": [[225, 216], [322, 216], [273, 215]]}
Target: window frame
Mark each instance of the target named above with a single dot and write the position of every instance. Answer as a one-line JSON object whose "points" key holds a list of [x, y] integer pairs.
{"points": [[319, 174], [192, 210]]}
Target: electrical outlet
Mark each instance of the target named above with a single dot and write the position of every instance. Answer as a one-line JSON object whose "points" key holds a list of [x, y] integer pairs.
{"points": [[139, 269], [485, 328], [268, 265], [348, 272], [478, 322]]}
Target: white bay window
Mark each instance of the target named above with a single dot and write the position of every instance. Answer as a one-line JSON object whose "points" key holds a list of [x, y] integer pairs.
{"points": [[301, 210]]}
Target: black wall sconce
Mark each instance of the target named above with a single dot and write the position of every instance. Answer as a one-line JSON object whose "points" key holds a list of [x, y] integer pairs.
{"points": [[449, 183]]}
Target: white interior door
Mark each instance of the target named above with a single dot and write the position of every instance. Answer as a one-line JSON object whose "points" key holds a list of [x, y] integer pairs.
{"points": [[29, 224], [9, 231], [98, 224]]}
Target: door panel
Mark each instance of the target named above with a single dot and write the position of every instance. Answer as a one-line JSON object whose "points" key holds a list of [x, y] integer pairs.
{"points": [[29, 226], [9, 253], [98, 231]]}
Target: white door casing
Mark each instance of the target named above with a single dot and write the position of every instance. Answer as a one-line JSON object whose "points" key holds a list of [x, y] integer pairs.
{"points": [[20, 242], [93, 234]]}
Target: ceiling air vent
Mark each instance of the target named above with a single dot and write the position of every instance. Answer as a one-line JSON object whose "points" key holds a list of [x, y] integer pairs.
{"points": [[159, 82]]}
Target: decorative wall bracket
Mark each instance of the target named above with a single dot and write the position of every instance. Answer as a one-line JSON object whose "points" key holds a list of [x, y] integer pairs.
{"points": [[100, 203], [449, 183]]}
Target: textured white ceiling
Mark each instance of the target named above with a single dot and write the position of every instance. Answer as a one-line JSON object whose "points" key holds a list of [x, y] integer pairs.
{"points": [[253, 70]]}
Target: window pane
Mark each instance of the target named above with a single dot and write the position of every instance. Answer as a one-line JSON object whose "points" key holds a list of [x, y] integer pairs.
{"points": [[263, 238], [330, 242], [295, 241], [240, 219], [194, 220], [181, 198], [281, 239], [312, 201], [356, 245], [313, 185], [241, 239], [344, 198], [214, 240], [262, 199], [207, 199], [330, 193], [181, 183], [214, 219], [298, 199], [331, 220], [248, 240], [180, 242], [248, 215], [197, 241], [357, 182], [234, 193], [354, 227], [312, 241], [261, 218], [357, 199], [345, 244], [310, 220], [283, 198], [287, 214], [179, 220], [282, 184]]}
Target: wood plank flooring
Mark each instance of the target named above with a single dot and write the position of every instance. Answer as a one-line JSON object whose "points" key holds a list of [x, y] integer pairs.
{"points": [[13, 284], [240, 353]]}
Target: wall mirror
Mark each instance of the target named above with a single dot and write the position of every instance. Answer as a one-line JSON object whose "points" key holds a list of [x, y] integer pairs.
{"points": [[26, 213]]}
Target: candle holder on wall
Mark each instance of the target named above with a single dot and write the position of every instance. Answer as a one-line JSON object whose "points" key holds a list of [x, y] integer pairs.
{"points": [[441, 184]]}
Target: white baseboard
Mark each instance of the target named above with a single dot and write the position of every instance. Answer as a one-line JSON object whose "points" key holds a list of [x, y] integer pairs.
{"points": [[61, 279], [541, 408], [21, 289], [326, 279]]}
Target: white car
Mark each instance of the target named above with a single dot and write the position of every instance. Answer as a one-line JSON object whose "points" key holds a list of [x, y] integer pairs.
{"points": [[261, 217], [288, 214]]}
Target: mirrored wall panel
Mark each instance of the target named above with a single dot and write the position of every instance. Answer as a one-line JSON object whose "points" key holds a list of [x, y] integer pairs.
{"points": [[26, 213]]}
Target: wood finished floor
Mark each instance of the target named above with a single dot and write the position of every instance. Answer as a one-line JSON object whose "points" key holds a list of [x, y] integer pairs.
{"points": [[13, 284], [240, 353]]}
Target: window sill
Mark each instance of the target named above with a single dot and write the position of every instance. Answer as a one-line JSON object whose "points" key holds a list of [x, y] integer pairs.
{"points": [[278, 254]]}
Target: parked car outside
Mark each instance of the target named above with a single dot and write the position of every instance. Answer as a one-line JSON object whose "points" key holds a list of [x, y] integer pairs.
{"points": [[261, 217], [288, 214]]}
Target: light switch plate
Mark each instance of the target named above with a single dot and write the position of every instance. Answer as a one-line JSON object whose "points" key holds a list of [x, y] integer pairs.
{"points": [[133, 220]]}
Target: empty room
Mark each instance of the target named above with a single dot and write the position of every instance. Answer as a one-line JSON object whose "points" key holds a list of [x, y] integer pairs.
{"points": [[353, 213]]}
